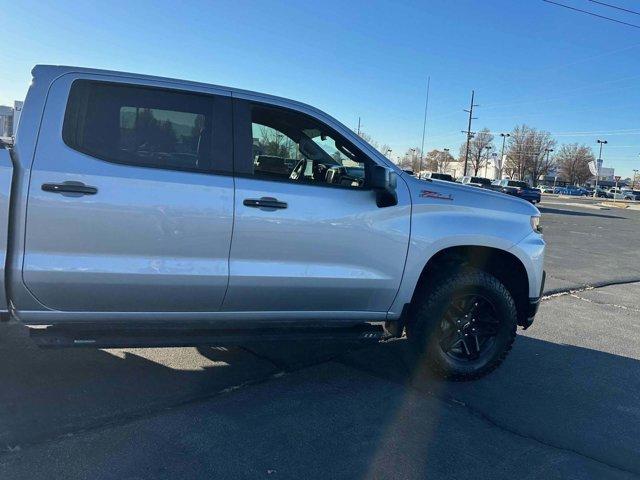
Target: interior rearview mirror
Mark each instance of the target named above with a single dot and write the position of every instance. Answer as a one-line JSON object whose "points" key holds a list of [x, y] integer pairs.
{"points": [[384, 182]]}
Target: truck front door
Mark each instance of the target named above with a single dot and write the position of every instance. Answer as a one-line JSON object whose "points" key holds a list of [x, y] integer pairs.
{"points": [[308, 235]]}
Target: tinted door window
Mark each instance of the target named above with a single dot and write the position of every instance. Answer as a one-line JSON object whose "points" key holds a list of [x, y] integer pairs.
{"points": [[293, 147], [140, 126]]}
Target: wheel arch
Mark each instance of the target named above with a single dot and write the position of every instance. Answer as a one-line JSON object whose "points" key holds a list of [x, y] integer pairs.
{"points": [[502, 264]]}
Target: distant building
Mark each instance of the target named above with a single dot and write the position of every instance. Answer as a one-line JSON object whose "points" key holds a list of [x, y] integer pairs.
{"points": [[606, 178], [9, 118], [606, 173], [6, 121]]}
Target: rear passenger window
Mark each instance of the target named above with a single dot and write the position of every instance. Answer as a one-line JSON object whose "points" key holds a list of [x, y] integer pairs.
{"points": [[140, 126]]}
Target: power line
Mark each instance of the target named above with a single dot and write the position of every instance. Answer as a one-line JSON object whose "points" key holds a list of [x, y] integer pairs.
{"points": [[592, 14], [615, 6]]}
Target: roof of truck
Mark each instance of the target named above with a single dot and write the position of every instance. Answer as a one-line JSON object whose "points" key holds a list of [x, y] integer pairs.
{"points": [[55, 71]]}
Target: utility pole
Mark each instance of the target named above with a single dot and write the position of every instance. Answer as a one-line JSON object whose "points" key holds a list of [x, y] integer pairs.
{"points": [[504, 138], [598, 163], [424, 124], [469, 132], [635, 174], [358, 126]]}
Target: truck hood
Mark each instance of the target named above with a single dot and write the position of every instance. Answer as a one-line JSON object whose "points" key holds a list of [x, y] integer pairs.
{"points": [[439, 192]]}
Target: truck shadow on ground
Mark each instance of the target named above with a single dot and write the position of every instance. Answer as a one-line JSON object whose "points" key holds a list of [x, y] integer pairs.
{"points": [[558, 211], [49, 393], [569, 397]]}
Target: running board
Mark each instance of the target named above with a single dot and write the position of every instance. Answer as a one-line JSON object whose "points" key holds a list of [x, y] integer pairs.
{"points": [[73, 336]]}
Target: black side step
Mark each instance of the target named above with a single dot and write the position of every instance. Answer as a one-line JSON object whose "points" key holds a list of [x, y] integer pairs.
{"points": [[73, 336]]}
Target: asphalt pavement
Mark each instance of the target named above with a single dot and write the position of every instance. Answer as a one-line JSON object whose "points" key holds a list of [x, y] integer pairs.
{"points": [[565, 404], [588, 244]]}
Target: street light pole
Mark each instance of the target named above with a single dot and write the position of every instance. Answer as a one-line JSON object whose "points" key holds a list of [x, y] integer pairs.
{"points": [[598, 163], [548, 150], [504, 138]]}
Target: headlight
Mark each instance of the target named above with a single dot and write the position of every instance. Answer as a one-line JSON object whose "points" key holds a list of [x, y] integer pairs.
{"points": [[535, 224]]}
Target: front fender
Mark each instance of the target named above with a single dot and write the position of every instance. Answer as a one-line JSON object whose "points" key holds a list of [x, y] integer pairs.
{"points": [[437, 227], [530, 251]]}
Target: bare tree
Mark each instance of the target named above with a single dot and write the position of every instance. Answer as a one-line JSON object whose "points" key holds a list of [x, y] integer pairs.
{"points": [[526, 155], [411, 160], [479, 147], [385, 149], [369, 139], [540, 163], [438, 160], [573, 163]]}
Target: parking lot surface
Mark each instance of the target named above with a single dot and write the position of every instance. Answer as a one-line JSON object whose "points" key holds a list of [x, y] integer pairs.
{"points": [[565, 404]]}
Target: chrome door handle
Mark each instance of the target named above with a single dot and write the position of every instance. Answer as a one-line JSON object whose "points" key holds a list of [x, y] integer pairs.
{"points": [[266, 203]]}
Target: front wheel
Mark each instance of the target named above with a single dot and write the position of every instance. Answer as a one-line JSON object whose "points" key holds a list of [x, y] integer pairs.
{"points": [[464, 326]]}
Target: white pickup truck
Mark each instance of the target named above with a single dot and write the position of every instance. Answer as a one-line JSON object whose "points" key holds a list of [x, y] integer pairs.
{"points": [[152, 211]]}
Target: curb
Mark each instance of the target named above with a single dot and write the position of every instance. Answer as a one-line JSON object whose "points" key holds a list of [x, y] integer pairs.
{"points": [[590, 286]]}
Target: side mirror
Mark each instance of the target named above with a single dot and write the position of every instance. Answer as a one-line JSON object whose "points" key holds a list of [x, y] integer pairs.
{"points": [[384, 182]]}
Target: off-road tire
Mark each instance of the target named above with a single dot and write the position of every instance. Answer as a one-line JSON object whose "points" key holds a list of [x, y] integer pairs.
{"points": [[427, 313]]}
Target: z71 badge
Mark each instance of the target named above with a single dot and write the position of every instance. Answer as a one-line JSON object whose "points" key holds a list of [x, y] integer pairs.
{"points": [[432, 194]]}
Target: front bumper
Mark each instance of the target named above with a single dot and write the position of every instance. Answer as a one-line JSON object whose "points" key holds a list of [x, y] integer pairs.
{"points": [[534, 304]]}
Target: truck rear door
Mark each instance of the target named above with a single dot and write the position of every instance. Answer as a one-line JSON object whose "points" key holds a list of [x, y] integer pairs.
{"points": [[130, 203]]}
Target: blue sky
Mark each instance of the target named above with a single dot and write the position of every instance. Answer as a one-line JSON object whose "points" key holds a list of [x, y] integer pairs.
{"points": [[528, 61]]}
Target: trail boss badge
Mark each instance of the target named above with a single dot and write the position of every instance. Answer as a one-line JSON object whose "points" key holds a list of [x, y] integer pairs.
{"points": [[432, 194]]}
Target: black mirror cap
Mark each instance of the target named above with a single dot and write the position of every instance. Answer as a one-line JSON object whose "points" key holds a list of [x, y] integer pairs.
{"points": [[382, 178], [384, 181]]}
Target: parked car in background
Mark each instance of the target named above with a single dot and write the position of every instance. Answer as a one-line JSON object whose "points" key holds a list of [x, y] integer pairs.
{"points": [[573, 191], [475, 181], [438, 176], [630, 194], [619, 194], [518, 189], [600, 193], [547, 189]]}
